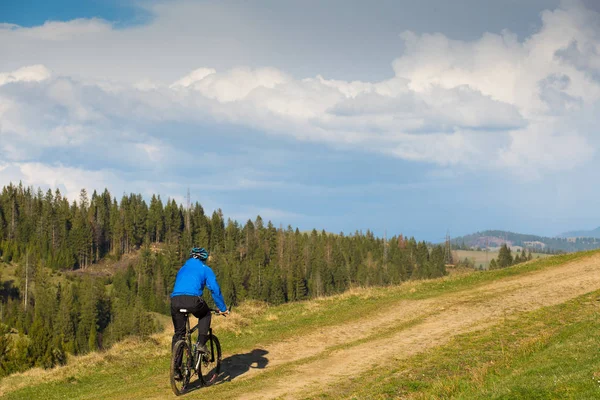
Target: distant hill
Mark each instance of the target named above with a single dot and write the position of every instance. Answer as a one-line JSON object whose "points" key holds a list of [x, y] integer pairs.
{"points": [[593, 233], [489, 239]]}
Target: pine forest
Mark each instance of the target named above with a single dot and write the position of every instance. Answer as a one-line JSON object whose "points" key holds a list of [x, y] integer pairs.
{"points": [[54, 303]]}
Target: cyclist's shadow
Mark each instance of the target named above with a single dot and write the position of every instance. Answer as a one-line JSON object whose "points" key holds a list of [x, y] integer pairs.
{"points": [[236, 365], [239, 364]]}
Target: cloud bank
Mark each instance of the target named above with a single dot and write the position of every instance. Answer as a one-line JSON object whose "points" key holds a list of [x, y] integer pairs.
{"points": [[528, 108]]}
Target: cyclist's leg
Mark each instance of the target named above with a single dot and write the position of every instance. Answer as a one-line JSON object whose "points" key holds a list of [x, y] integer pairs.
{"points": [[178, 318], [202, 312]]}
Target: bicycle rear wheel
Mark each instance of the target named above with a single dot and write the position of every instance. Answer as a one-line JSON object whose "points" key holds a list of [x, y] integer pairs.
{"points": [[210, 362], [181, 361]]}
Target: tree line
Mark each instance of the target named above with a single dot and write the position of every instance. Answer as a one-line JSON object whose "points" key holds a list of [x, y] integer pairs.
{"points": [[73, 316], [539, 244], [44, 235], [506, 259]]}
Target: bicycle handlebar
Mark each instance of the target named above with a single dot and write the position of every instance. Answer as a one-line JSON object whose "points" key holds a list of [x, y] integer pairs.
{"points": [[217, 312]]}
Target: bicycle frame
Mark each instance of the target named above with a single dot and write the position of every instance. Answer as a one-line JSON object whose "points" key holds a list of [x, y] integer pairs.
{"points": [[188, 336]]}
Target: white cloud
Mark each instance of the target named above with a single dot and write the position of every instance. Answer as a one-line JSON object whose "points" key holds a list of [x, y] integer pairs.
{"points": [[70, 180], [33, 73], [546, 146], [76, 29], [232, 85], [194, 76], [481, 104]]}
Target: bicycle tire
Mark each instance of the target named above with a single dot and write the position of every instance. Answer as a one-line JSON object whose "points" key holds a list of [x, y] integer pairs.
{"points": [[209, 367], [179, 386]]}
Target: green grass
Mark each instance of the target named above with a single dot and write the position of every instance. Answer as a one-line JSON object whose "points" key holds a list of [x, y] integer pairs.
{"points": [[551, 353], [470, 365]]}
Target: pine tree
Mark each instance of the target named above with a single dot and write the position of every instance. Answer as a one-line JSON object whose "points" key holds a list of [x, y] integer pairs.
{"points": [[116, 229], [93, 336], [504, 257], [437, 262], [39, 343], [66, 319], [217, 231], [6, 361], [201, 226], [155, 223]]}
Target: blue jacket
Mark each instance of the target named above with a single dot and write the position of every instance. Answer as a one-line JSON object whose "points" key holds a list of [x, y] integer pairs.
{"points": [[192, 278]]}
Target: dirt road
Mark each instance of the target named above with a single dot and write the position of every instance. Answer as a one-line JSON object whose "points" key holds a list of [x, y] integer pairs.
{"points": [[319, 360]]}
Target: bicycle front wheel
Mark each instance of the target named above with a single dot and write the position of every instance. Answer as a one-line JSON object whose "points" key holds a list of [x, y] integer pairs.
{"points": [[181, 367], [210, 362]]}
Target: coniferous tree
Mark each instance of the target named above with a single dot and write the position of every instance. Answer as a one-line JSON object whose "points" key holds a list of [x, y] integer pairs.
{"points": [[505, 258], [217, 231], [155, 223], [66, 319], [116, 229], [6, 361]]}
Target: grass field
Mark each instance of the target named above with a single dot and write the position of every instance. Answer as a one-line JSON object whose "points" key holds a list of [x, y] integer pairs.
{"points": [[483, 258], [530, 352]]}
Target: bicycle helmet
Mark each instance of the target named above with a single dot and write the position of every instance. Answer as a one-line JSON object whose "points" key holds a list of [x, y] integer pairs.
{"points": [[199, 252]]}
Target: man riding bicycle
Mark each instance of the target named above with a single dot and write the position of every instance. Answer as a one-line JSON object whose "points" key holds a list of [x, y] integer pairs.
{"points": [[191, 279]]}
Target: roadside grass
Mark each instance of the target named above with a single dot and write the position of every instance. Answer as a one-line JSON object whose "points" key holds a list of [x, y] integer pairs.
{"points": [[550, 353], [139, 368]]}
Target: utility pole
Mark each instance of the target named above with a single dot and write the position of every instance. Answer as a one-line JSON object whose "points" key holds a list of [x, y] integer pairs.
{"points": [[385, 246], [187, 211], [448, 249]]}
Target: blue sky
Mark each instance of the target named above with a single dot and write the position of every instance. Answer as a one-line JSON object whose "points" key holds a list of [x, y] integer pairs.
{"points": [[413, 118], [31, 13]]}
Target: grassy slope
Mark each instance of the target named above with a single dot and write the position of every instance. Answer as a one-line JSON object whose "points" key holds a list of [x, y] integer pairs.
{"points": [[550, 353], [139, 369]]}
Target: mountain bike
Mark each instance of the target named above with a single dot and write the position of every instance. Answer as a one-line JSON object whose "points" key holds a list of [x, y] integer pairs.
{"points": [[191, 361]]}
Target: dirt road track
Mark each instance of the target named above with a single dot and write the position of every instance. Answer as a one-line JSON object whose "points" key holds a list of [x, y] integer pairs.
{"points": [[411, 327]]}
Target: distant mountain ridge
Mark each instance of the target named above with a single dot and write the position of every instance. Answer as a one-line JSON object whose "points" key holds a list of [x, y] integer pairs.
{"points": [[495, 238], [595, 233]]}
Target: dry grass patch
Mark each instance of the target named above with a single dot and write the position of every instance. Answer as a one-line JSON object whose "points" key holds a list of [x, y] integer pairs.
{"points": [[272, 317], [241, 316]]}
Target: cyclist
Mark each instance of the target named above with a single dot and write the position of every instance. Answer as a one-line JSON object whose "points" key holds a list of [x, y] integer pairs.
{"points": [[191, 279]]}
